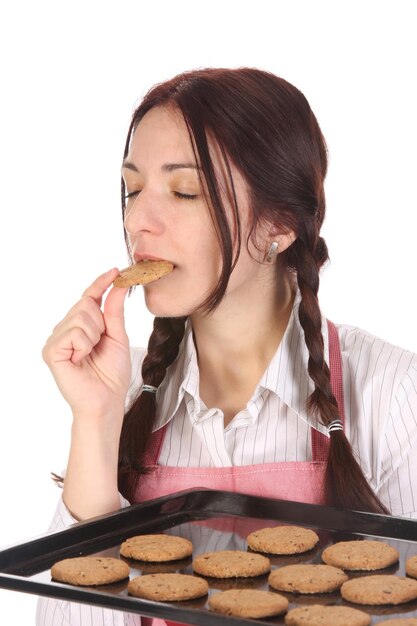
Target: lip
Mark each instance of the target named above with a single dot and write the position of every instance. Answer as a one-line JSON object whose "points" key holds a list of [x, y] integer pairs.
{"points": [[141, 257]]}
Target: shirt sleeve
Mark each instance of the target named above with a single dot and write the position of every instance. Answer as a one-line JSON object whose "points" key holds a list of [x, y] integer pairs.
{"points": [[54, 612], [137, 356], [398, 484], [63, 518]]}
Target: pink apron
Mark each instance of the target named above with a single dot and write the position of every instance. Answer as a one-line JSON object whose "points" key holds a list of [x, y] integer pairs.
{"points": [[299, 481]]}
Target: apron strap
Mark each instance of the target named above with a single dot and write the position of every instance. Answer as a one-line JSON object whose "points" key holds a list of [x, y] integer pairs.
{"points": [[319, 442]]}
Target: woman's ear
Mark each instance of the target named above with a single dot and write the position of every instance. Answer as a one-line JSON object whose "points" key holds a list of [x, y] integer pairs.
{"points": [[283, 237], [273, 239], [284, 240]]}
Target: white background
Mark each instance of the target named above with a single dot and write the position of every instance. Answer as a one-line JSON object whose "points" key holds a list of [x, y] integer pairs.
{"points": [[71, 75]]}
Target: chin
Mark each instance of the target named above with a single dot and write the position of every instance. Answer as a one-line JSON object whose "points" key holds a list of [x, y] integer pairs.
{"points": [[162, 308]]}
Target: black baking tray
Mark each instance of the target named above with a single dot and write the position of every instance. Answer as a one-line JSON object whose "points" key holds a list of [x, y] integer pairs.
{"points": [[212, 520]]}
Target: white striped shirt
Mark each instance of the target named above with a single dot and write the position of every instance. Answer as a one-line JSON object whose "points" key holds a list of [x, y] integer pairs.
{"points": [[380, 394]]}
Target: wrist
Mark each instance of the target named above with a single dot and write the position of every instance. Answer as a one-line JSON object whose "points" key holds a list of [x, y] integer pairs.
{"points": [[99, 417], [100, 431]]}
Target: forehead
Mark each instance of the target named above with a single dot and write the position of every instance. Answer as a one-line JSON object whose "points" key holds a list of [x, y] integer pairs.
{"points": [[161, 132]]}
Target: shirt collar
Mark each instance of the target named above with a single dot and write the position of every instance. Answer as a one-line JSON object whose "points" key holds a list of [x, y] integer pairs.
{"points": [[286, 375], [182, 376]]}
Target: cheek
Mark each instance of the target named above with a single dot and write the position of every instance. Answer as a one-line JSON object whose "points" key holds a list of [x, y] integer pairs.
{"points": [[199, 241], [246, 270], [208, 257]]}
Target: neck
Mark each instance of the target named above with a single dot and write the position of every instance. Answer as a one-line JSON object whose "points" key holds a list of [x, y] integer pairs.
{"points": [[236, 343]]}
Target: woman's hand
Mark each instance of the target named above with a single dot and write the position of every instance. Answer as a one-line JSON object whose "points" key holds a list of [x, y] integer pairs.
{"points": [[88, 351]]}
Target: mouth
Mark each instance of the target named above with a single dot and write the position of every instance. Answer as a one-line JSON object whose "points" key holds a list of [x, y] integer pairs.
{"points": [[139, 258]]}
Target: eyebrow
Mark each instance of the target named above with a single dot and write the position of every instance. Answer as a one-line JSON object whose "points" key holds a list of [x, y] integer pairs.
{"points": [[167, 167]]}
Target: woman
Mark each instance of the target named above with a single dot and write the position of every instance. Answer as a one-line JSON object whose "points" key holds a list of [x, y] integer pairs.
{"points": [[223, 176]]}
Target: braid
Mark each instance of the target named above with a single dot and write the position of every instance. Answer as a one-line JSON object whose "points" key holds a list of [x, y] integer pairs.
{"points": [[321, 402], [345, 484], [163, 347]]}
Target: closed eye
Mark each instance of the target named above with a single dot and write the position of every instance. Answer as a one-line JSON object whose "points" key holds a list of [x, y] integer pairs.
{"points": [[178, 194], [131, 194], [185, 196]]}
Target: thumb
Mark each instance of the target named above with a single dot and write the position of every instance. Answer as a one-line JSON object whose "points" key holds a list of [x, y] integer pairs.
{"points": [[113, 313]]}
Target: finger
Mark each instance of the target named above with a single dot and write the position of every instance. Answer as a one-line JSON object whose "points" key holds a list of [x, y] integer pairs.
{"points": [[91, 300], [97, 289], [86, 310], [93, 328], [113, 312], [73, 345], [81, 345]]}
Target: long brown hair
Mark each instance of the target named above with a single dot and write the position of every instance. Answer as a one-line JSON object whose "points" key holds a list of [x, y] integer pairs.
{"points": [[265, 126]]}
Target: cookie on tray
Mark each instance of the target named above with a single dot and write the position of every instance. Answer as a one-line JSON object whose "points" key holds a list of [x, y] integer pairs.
{"points": [[318, 615], [307, 578], [411, 566], [379, 589], [167, 587], [226, 584], [363, 555], [156, 548], [231, 564], [252, 603], [282, 540], [163, 567], [90, 570]]}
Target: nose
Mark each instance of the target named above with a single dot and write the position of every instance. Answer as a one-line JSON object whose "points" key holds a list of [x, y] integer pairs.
{"points": [[142, 215]]}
